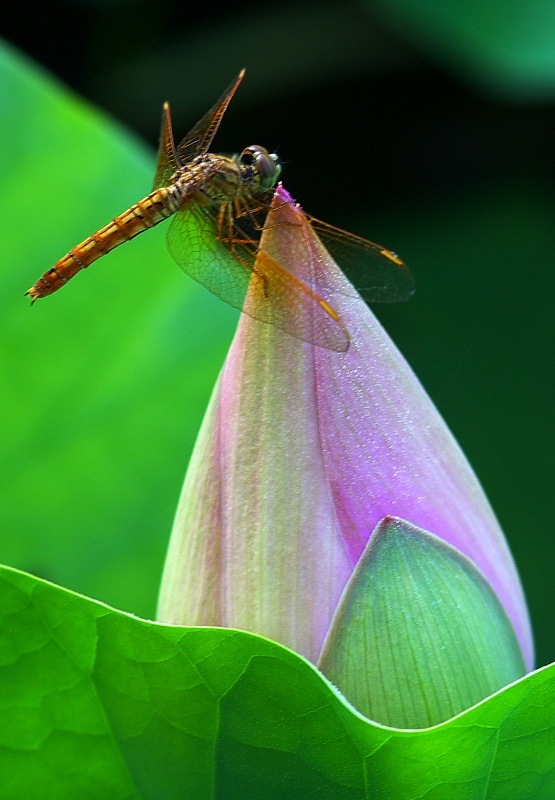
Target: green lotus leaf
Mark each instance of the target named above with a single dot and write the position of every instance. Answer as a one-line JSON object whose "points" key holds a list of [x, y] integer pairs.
{"points": [[97, 703]]}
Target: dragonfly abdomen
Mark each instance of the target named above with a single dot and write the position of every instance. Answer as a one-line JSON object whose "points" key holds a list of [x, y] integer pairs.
{"points": [[141, 216]]}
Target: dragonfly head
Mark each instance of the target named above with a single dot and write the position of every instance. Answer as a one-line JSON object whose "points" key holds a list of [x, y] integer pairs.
{"points": [[260, 167]]}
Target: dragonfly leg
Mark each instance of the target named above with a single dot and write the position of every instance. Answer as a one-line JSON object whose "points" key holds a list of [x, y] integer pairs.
{"points": [[252, 213]]}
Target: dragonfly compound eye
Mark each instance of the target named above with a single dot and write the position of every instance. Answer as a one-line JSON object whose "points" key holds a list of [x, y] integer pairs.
{"points": [[265, 165]]}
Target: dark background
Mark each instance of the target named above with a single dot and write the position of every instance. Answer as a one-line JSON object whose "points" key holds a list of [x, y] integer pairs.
{"points": [[360, 113], [430, 130]]}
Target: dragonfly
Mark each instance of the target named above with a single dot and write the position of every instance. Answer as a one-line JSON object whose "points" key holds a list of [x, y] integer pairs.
{"points": [[220, 205]]}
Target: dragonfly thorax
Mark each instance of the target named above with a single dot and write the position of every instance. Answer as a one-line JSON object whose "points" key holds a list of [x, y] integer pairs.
{"points": [[216, 179], [210, 178]]}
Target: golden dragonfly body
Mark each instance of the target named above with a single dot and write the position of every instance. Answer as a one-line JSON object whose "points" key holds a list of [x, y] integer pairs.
{"points": [[219, 205]]}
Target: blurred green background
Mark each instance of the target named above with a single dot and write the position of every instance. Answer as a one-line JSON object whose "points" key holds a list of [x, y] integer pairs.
{"points": [[428, 127]]}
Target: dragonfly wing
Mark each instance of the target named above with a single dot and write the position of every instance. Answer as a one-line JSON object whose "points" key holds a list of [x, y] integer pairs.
{"points": [[199, 138], [251, 280], [167, 157], [278, 297], [197, 141], [193, 244], [378, 274]]}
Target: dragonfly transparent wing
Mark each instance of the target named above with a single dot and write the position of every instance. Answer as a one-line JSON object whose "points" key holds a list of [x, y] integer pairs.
{"points": [[197, 141], [378, 274], [249, 279], [167, 156], [200, 137]]}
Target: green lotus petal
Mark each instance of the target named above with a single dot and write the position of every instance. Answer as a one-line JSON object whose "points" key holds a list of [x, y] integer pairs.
{"points": [[419, 635], [96, 704]]}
